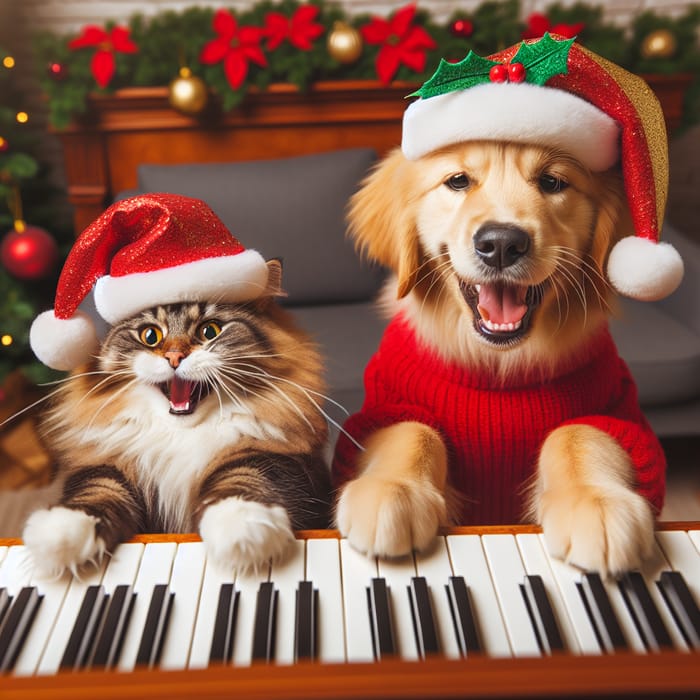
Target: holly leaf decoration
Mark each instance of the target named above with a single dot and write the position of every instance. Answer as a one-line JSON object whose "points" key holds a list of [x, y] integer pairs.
{"points": [[470, 71], [543, 59]]}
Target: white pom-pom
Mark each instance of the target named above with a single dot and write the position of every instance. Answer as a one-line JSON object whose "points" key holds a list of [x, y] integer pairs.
{"points": [[63, 344], [645, 270]]}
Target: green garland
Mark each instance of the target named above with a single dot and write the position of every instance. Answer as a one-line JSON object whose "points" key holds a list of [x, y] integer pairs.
{"points": [[172, 39]]}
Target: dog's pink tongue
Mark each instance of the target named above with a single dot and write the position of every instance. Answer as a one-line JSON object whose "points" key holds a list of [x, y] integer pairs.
{"points": [[501, 303], [180, 392]]}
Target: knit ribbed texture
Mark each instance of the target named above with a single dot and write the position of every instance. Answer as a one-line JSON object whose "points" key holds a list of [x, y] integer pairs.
{"points": [[494, 433]]}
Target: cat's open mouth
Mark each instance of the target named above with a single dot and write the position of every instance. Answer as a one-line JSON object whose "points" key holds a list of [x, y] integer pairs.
{"points": [[184, 394]]}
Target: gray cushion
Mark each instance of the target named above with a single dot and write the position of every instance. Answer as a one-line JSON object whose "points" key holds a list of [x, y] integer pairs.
{"points": [[291, 208]]}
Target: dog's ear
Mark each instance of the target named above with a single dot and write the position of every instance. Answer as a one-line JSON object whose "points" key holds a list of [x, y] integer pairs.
{"points": [[382, 220]]}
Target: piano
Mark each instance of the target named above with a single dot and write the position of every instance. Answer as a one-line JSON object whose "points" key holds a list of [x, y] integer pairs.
{"points": [[484, 613]]}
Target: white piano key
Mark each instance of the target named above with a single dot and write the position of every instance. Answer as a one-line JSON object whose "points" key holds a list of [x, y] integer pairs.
{"points": [[156, 565], [357, 571], [3, 553], [695, 537], [434, 564], [469, 560], [123, 566], [286, 577], [56, 645], [247, 584], [398, 574], [537, 562], [16, 570], [683, 556], [567, 577], [508, 572], [54, 593], [323, 569], [186, 583], [619, 607], [214, 576]]}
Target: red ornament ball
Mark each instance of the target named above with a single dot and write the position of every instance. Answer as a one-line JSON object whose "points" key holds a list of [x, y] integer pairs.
{"points": [[4, 144], [462, 27], [516, 72], [29, 254], [57, 71], [498, 73]]}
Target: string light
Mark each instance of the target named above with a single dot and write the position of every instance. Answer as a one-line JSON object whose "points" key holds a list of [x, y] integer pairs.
{"points": [[8, 62], [6, 340], [22, 117]]}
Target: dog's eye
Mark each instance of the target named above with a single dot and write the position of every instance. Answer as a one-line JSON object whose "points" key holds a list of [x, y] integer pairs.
{"points": [[551, 184], [458, 182]]}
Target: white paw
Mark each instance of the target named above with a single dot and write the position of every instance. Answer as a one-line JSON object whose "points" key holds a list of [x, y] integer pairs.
{"points": [[245, 535], [61, 539], [389, 518], [609, 530]]}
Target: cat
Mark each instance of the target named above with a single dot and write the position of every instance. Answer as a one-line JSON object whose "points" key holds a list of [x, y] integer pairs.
{"points": [[193, 416]]}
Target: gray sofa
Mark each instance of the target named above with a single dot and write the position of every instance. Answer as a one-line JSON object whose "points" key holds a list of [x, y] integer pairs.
{"points": [[294, 209]]}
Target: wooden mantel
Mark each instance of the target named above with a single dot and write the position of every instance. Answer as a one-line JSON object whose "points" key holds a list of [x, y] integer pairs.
{"points": [[135, 126]]}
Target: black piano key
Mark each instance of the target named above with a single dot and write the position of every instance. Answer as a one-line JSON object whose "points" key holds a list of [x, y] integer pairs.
{"points": [[225, 624], [597, 603], [380, 619], [644, 614], [17, 624], [305, 621], [115, 621], [264, 627], [463, 616], [542, 615], [682, 605], [423, 619], [5, 600], [84, 629], [155, 626]]}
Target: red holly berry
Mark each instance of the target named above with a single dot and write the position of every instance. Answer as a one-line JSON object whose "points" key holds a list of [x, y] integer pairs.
{"points": [[498, 74], [516, 72]]}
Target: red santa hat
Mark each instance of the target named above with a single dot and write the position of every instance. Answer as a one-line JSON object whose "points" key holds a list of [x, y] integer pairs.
{"points": [[142, 252], [556, 93]]}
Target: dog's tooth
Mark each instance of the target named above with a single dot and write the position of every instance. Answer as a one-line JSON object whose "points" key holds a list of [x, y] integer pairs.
{"points": [[477, 287]]}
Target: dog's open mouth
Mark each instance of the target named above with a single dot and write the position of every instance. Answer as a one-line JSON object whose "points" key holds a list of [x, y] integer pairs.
{"points": [[184, 394], [502, 311]]}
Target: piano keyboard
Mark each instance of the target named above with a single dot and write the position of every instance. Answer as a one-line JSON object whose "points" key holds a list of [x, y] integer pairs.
{"points": [[475, 595]]}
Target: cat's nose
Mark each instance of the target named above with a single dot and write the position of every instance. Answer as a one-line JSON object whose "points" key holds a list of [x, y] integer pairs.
{"points": [[174, 357]]}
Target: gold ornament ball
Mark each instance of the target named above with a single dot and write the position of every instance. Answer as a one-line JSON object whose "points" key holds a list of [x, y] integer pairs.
{"points": [[344, 43], [660, 43], [188, 93]]}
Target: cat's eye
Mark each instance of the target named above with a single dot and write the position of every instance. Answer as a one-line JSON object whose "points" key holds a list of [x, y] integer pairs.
{"points": [[551, 184], [151, 335], [209, 331], [458, 182]]}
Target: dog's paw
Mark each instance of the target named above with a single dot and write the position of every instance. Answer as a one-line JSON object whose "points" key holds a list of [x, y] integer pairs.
{"points": [[609, 530], [389, 518], [62, 539], [245, 535]]}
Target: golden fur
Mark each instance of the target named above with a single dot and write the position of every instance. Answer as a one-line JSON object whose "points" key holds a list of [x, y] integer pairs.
{"points": [[406, 218]]}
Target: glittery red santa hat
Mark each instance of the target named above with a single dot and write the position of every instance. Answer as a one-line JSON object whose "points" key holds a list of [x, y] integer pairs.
{"points": [[142, 252], [556, 93]]}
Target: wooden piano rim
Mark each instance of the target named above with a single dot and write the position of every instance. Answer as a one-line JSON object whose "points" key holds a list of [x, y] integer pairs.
{"points": [[663, 675]]}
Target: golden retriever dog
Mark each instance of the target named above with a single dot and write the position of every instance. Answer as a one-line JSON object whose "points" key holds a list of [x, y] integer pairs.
{"points": [[499, 252]]}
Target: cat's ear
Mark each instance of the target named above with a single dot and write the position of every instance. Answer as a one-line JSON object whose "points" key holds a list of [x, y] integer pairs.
{"points": [[274, 279]]}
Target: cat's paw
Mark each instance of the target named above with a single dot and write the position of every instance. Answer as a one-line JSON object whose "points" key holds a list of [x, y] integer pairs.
{"points": [[245, 535], [609, 530], [390, 518], [62, 539]]}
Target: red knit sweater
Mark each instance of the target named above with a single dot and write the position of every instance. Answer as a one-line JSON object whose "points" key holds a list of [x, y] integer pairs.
{"points": [[494, 433]]}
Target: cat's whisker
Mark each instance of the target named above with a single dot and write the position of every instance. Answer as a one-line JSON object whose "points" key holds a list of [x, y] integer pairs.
{"points": [[106, 403]]}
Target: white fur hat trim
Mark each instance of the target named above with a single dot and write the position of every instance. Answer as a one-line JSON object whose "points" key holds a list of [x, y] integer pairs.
{"points": [[230, 278], [520, 112], [63, 344], [644, 269]]}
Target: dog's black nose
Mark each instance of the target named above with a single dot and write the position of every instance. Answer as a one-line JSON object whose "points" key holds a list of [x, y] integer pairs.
{"points": [[501, 245]]}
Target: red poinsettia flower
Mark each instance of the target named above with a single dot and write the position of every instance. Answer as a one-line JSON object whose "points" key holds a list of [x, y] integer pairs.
{"points": [[538, 24], [402, 43], [235, 46], [301, 29], [103, 64]]}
